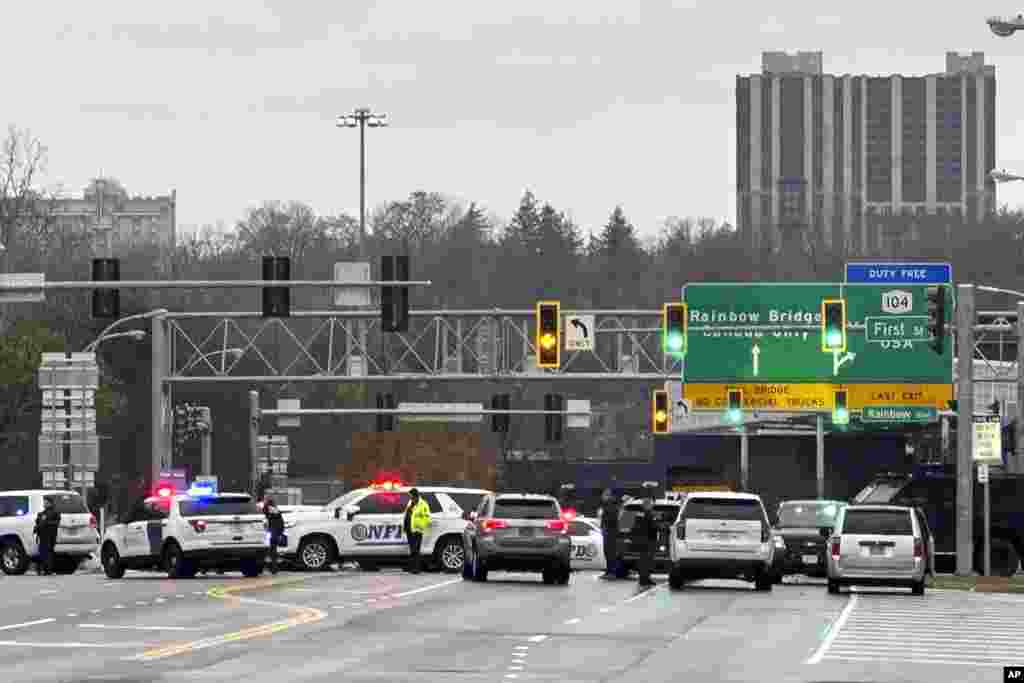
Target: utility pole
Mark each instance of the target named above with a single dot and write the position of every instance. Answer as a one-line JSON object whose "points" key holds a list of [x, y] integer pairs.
{"points": [[965, 430], [1017, 460]]}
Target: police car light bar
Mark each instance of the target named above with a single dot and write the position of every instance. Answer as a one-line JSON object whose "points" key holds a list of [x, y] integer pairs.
{"points": [[164, 492], [201, 491]]}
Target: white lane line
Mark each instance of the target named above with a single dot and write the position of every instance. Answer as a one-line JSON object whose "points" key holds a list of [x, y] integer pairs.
{"points": [[646, 593], [141, 604], [520, 655], [160, 601], [27, 623], [72, 615], [371, 600], [845, 658], [605, 610], [428, 588], [833, 631], [47, 592], [95, 611], [515, 668], [118, 606], [537, 639], [522, 647], [112, 646], [140, 628], [572, 621], [198, 593], [179, 596]]}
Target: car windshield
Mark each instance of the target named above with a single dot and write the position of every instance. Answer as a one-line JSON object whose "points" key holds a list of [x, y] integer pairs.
{"points": [[724, 508], [663, 514], [68, 503], [520, 508], [204, 507], [808, 515], [878, 492], [877, 522], [345, 499]]}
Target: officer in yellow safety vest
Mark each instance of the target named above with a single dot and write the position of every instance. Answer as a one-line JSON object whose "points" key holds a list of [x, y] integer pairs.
{"points": [[417, 521]]}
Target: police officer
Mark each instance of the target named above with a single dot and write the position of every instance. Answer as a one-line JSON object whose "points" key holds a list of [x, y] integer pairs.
{"points": [[609, 514], [47, 523], [416, 523], [275, 524], [645, 538]]}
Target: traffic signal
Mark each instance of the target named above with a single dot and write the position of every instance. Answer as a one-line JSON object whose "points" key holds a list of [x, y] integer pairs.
{"points": [[500, 423], [660, 412], [735, 413], [276, 300], [385, 422], [833, 325], [549, 334], [674, 328], [553, 423], [394, 301], [840, 412], [106, 303], [180, 427], [937, 318]]}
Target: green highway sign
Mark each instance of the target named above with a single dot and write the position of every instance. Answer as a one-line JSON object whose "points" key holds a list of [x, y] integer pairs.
{"points": [[899, 414], [748, 332]]}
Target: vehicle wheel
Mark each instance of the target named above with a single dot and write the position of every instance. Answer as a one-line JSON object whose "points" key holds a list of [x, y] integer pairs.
{"points": [[549, 576], [66, 565], [111, 560], [479, 569], [918, 588], [315, 554], [777, 579], [13, 558], [833, 587], [675, 580], [252, 568], [176, 564], [563, 575], [450, 556], [763, 582]]}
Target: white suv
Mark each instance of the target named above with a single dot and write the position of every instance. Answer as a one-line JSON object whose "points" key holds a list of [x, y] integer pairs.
{"points": [[182, 534], [77, 537], [722, 536], [365, 526]]}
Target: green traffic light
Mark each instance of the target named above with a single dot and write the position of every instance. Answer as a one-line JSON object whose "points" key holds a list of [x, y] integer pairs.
{"points": [[735, 415], [841, 416], [675, 342], [834, 338]]}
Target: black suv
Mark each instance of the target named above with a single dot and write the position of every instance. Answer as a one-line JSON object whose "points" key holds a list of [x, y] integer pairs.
{"points": [[799, 524], [665, 513]]}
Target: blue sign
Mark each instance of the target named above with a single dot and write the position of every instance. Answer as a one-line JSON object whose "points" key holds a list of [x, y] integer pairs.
{"points": [[899, 273]]}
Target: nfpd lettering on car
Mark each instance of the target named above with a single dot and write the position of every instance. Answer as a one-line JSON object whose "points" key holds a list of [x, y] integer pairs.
{"points": [[377, 534]]}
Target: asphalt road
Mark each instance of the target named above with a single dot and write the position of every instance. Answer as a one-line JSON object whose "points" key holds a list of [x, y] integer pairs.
{"points": [[393, 627]]}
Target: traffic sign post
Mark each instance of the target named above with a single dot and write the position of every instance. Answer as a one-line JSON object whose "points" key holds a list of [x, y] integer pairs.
{"points": [[987, 503], [68, 443], [579, 333], [987, 441]]}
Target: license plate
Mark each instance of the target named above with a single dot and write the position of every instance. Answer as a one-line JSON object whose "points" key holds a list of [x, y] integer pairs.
{"points": [[527, 531], [877, 550], [810, 559]]}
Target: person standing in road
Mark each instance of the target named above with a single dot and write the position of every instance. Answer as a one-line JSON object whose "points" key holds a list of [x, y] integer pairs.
{"points": [[47, 524], [609, 514], [275, 524], [416, 523], [645, 538]]}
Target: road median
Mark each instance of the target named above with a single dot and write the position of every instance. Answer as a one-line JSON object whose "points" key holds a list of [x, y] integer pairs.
{"points": [[979, 584]]}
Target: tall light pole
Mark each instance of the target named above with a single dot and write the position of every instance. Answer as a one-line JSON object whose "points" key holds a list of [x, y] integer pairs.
{"points": [[361, 118]]}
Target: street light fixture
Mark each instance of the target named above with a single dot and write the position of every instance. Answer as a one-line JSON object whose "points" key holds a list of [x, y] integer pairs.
{"points": [[1004, 27], [234, 352], [1002, 176], [136, 335], [361, 118]]}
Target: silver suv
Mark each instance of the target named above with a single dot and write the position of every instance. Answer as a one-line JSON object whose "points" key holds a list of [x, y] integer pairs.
{"points": [[518, 532], [878, 545]]}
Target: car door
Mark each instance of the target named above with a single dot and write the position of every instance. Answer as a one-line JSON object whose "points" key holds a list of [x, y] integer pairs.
{"points": [[929, 540], [157, 515], [132, 533], [586, 546], [376, 530]]}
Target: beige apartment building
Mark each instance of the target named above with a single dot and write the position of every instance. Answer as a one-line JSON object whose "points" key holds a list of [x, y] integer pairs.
{"points": [[115, 219]]}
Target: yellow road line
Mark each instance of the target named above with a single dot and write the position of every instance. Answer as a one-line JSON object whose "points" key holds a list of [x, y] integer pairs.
{"points": [[301, 616]]}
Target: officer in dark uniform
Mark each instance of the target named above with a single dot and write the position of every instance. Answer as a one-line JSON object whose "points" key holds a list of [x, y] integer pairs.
{"points": [[47, 523], [275, 524], [645, 539], [610, 533]]}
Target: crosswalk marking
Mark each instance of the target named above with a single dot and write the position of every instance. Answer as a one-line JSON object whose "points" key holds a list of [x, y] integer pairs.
{"points": [[958, 629]]}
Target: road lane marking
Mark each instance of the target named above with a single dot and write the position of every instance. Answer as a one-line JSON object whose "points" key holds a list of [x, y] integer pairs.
{"points": [[47, 592], [537, 639], [112, 646], [72, 615], [646, 593], [572, 621], [27, 623], [118, 606], [833, 631], [515, 668], [917, 661], [428, 588], [140, 628], [522, 647]]}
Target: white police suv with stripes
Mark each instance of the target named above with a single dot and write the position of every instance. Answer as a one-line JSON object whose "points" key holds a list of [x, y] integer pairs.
{"points": [[182, 534], [365, 526]]}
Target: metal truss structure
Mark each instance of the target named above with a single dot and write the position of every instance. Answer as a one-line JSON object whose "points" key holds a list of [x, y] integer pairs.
{"points": [[348, 346]]}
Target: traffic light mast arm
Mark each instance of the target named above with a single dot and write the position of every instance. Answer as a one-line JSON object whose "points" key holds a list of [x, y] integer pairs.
{"points": [[202, 284]]}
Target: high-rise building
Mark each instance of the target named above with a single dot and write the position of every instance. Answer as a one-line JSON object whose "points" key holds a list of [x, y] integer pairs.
{"points": [[111, 217], [829, 156]]}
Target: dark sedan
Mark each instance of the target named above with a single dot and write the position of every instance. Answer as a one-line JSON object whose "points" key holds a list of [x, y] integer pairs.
{"points": [[798, 523]]}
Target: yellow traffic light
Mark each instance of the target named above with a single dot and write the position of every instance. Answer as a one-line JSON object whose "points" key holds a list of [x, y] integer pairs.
{"points": [[660, 413], [549, 334]]}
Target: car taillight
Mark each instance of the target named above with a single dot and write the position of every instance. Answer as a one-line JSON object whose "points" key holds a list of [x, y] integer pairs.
{"points": [[199, 525], [834, 549], [490, 525], [681, 530], [558, 525], [92, 521], [918, 549]]}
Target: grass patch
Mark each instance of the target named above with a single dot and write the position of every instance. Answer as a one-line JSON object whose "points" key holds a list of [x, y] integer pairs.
{"points": [[979, 584]]}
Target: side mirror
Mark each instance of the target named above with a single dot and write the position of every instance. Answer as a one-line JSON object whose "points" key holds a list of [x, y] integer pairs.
{"points": [[337, 513], [351, 511], [826, 532]]}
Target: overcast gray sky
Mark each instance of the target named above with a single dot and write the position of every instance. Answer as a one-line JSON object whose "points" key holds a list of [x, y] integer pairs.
{"points": [[588, 103]]}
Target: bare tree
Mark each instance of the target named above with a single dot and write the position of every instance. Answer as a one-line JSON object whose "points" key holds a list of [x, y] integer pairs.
{"points": [[24, 211]]}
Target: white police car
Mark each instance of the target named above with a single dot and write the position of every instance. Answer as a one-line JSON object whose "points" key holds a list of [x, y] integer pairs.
{"points": [[587, 543], [182, 534], [365, 526]]}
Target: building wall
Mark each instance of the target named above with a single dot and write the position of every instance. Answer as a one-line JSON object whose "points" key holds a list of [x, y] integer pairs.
{"points": [[865, 147], [132, 221]]}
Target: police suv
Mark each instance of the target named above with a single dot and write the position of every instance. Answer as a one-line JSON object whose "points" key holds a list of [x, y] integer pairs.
{"points": [[365, 526], [184, 533]]}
